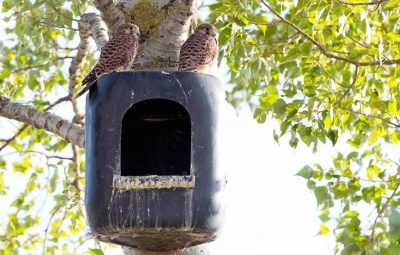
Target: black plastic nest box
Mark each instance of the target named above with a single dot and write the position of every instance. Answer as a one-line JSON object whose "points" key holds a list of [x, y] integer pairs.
{"points": [[153, 174]]}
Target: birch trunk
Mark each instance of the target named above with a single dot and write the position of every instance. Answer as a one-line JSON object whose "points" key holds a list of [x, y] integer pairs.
{"points": [[164, 25]]}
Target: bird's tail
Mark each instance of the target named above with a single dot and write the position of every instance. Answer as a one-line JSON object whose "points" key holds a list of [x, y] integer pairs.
{"points": [[89, 80]]}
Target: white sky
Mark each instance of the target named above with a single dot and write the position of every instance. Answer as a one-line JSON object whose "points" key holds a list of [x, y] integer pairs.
{"points": [[270, 210]]}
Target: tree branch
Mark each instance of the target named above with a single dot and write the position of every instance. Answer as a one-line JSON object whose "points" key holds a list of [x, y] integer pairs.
{"points": [[355, 77], [382, 210], [325, 51], [97, 28], [61, 14], [372, 116], [38, 152], [280, 41], [43, 120], [74, 74], [360, 3], [48, 226], [25, 68], [110, 13], [62, 99], [9, 140], [75, 67]]}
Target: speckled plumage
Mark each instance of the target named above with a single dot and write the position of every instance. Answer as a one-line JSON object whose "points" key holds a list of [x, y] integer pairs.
{"points": [[116, 55], [200, 50]]}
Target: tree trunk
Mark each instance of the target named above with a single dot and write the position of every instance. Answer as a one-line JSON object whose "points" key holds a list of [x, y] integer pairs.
{"points": [[164, 25]]}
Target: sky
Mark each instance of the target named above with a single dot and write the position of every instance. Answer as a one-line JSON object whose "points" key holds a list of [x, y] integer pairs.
{"points": [[269, 209]]}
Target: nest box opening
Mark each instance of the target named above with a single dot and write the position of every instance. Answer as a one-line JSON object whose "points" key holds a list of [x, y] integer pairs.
{"points": [[156, 139]]}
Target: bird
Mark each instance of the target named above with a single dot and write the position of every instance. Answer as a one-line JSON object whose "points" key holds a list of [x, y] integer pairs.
{"points": [[199, 52], [116, 55]]}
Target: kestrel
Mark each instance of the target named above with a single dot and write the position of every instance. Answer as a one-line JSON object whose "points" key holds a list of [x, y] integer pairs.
{"points": [[200, 50], [116, 55]]}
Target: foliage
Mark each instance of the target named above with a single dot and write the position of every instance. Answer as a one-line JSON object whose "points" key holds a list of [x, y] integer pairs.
{"points": [[37, 173], [327, 70]]}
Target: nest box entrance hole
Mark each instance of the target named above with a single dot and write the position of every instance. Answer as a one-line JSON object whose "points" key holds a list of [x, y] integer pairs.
{"points": [[156, 139]]}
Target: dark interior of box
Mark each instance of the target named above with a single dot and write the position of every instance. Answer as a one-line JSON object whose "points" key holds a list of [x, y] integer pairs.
{"points": [[156, 139]]}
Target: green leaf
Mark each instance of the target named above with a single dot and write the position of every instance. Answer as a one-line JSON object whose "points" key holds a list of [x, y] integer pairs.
{"points": [[351, 214], [95, 252], [392, 107], [306, 172], [322, 195], [333, 136], [260, 115], [263, 28], [323, 229]]}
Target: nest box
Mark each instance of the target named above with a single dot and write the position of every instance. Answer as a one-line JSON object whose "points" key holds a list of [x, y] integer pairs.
{"points": [[153, 174]]}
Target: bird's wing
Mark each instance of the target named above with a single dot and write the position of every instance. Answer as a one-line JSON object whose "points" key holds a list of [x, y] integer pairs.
{"points": [[196, 53], [115, 55], [211, 50]]}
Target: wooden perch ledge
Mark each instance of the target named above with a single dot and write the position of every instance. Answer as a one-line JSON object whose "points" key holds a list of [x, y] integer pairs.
{"points": [[43, 120]]}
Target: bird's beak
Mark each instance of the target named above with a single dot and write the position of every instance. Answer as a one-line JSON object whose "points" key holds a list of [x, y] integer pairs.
{"points": [[214, 31]]}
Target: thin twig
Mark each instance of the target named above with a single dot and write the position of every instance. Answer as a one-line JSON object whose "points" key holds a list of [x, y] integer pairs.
{"points": [[37, 152], [330, 77], [363, 44], [366, 180], [82, 243], [282, 40], [56, 26], [57, 102], [351, 87], [25, 68], [48, 226], [362, 3], [62, 14], [372, 116], [9, 140], [382, 210]]}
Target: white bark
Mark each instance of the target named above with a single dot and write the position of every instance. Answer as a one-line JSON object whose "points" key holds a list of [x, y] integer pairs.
{"points": [[110, 13], [160, 50], [43, 120], [96, 27], [164, 25]]}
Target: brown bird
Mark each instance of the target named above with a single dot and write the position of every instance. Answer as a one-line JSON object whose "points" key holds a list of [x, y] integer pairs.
{"points": [[116, 55], [200, 50]]}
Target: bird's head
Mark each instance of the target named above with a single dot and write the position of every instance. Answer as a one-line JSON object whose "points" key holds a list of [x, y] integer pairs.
{"points": [[129, 28], [206, 29]]}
